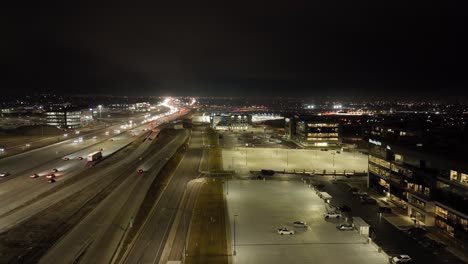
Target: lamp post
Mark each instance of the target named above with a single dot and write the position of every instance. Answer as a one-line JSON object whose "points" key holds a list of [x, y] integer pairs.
{"points": [[246, 157], [234, 253], [227, 185], [100, 107]]}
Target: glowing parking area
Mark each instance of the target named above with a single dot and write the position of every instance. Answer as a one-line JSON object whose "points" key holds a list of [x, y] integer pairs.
{"points": [[247, 159], [261, 207]]}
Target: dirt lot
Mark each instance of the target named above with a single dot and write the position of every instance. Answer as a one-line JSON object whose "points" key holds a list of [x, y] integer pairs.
{"points": [[207, 238]]}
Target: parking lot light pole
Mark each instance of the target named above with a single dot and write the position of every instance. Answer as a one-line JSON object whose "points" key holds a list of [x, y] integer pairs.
{"points": [[246, 157], [227, 185], [100, 108], [234, 252]]}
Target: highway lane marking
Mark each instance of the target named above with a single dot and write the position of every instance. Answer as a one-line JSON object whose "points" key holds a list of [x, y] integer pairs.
{"points": [[150, 214]]}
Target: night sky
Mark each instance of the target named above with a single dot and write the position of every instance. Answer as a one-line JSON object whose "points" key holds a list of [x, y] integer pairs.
{"points": [[287, 48]]}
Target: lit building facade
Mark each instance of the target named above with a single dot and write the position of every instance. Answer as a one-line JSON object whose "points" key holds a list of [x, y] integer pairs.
{"points": [[314, 131], [230, 121], [64, 118], [431, 188]]}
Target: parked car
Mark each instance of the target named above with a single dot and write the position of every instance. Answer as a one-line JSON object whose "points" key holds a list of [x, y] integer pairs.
{"points": [[344, 208], [401, 259], [319, 186], [35, 175], [65, 158], [353, 190], [360, 193], [332, 214], [50, 176], [385, 209], [50, 180], [345, 227], [79, 158], [368, 200], [416, 231], [54, 170], [285, 231], [4, 174], [267, 172], [300, 224], [140, 171]]}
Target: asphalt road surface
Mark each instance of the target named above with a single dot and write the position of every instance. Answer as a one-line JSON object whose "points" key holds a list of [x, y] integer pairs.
{"points": [[392, 240], [97, 236], [17, 191], [150, 241]]}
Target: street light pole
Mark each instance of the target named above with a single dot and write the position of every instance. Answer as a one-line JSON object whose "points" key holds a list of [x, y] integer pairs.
{"points": [[100, 116], [246, 157], [227, 185], [234, 253]]}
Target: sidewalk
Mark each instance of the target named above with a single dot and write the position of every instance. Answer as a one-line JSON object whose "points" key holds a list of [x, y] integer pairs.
{"points": [[402, 221]]}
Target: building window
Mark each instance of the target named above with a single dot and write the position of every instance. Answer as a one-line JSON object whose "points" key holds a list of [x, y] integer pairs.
{"points": [[419, 216], [444, 226], [418, 203], [441, 212], [398, 158], [464, 179], [453, 175]]}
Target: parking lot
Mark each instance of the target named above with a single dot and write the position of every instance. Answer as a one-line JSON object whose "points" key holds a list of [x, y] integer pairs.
{"points": [[244, 159], [261, 207]]}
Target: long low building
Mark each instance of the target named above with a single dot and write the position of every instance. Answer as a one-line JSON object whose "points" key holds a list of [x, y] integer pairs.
{"points": [[430, 184]]}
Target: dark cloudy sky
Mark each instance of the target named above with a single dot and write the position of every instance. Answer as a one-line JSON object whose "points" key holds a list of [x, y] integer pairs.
{"points": [[244, 48]]}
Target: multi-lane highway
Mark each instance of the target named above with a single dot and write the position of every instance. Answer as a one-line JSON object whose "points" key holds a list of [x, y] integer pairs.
{"points": [[149, 242], [97, 236], [19, 189]]}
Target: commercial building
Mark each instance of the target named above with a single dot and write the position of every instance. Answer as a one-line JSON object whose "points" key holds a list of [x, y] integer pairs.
{"points": [[64, 118], [428, 180], [314, 131], [230, 121]]}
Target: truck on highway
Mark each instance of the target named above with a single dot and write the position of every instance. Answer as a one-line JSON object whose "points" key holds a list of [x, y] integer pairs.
{"points": [[95, 156]]}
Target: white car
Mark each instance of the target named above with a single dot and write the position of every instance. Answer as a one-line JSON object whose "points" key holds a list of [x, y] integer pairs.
{"points": [[300, 224], [285, 231], [4, 174], [345, 227], [332, 214], [401, 259]]}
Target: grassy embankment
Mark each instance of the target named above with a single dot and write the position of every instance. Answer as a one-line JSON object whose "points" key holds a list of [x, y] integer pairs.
{"points": [[207, 238]]}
